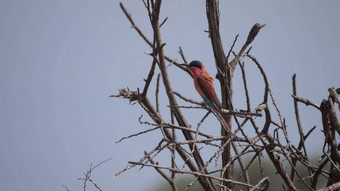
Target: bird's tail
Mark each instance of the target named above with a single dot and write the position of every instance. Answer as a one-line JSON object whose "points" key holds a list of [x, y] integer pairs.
{"points": [[222, 120]]}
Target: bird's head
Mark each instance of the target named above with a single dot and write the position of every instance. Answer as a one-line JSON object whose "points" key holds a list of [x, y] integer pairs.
{"points": [[194, 64], [195, 67]]}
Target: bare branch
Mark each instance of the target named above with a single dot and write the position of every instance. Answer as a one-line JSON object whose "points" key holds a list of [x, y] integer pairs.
{"points": [[157, 93], [193, 173], [232, 46], [245, 85], [134, 135], [67, 189], [240, 113], [182, 55], [148, 80], [128, 15], [284, 155], [163, 22], [297, 116], [306, 101], [332, 187], [187, 99], [89, 172], [334, 95], [262, 184], [251, 36]]}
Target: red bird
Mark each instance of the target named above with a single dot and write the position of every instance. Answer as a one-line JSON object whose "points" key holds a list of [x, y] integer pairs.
{"points": [[205, 87]]}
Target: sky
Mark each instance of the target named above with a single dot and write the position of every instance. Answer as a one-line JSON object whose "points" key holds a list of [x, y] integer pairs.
{"points": [[60, 61]]}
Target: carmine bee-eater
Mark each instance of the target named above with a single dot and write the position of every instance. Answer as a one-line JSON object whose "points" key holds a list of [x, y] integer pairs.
{"points": [[205, 87]]}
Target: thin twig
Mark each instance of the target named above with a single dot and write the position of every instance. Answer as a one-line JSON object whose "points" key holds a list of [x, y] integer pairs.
{"points": [[306, 101], [128, 15], [182, 55], [157, 92], [67, 189], [193, 173], [88, 175], [163, 22], [232, 47]]}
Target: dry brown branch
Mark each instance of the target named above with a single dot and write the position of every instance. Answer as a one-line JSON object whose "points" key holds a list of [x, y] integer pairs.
{"points": [[332, 187], [182, 55], [193, 173], [178, 65], [251, 36], [298, 121], [187, 99], [172, 101], [330, 125], [171, 182], [306, 101], [317, 173], [232, 47], [241, 113], [88, 175], [244, 171], [262, 185], [334, 94], [127, 14], [283, 155], [224, 76], [245, 85], [134, 135], [67, 189], [158, 51], [157, 93], [291, 163]]}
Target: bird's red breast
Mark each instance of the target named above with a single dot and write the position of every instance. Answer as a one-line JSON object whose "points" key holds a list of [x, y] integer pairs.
{"points": [[204, 85]]}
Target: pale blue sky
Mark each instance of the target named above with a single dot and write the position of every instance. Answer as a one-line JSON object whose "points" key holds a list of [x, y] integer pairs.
{"points": [[60, 60]]}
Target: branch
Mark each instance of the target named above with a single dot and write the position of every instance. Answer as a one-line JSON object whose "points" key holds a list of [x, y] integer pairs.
{"points": [[171, 182], [67, 189], [241, 113], [333, 93], [136, 134], [251, 36], [306, 101], [182, 55], [232, 46], [148, 80], [128, 15], [211, 9], [332, 187], [265, 100], [88, 175], [245, 85], [158, 49], [189, 148], [297, 116], [262, 184], [193, 173], [187, 99], [206, 183]]}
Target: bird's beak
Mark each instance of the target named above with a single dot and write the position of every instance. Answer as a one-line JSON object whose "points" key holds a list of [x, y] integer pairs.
{"points": [[186, 65]]}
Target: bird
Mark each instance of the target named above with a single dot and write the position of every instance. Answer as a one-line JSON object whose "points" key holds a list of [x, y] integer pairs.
{"points": [[205, 87]]}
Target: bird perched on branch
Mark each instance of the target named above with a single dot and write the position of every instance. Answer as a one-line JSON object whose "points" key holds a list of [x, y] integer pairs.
{"points": [[205, 87]]}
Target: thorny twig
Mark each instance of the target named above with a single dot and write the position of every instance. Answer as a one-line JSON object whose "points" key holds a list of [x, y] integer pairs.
{"points": [[88, 175]]}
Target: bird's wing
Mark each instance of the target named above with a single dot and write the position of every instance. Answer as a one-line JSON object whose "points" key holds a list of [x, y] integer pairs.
{"points": [[207, 87]]}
